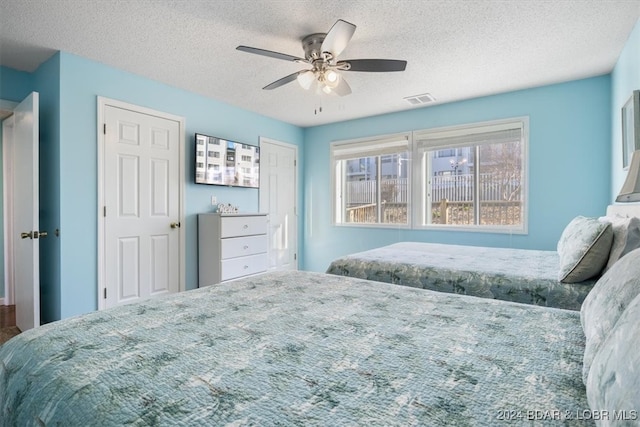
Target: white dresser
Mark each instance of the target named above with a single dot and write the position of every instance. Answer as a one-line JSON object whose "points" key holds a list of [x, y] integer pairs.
{"points": [[231, 246]]}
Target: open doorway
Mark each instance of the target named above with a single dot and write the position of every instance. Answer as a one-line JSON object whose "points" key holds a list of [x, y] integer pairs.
{"points": [[21, 233], [6, 128]]}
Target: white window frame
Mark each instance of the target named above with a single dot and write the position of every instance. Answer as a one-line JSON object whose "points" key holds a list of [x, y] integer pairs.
{"points": [[417, 205], [421, 208], [363, 147]]}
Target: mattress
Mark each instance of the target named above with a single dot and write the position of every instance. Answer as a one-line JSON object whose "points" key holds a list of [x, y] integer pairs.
{"points": [[298, 348], [519, 275]]}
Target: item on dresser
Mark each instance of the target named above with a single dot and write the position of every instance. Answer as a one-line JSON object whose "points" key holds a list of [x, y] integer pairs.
{"points": [[231, 246], [226, 209]]}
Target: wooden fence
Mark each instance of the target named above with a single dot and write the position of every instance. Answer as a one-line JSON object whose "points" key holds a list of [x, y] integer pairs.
{"points": [[456, 188], [392, 213], [452, 201], [498, 212], [365, 192]]}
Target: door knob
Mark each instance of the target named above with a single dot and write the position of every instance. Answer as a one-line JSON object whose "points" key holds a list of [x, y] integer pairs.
{"points": [[34, 234], [175, 225]]}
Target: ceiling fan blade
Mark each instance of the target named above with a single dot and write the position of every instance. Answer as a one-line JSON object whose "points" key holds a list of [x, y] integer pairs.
{"points": [[338, 37], [283, 81], [343, 88], [374, 65], [270, 54]]}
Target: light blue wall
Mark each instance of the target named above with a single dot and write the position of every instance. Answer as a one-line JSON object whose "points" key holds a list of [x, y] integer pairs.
{"points": [[14, 86], [625, 78], [569, 166], [81, 81]]}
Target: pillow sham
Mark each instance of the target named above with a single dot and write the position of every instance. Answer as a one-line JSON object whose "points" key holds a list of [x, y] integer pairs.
{"points": [[626, 237], [612, 383], [584, 248], [606, 302]]}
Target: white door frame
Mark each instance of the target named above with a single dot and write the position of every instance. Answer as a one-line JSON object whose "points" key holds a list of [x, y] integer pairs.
{"points": [[296, 199], [7, 194], [102, 104]]}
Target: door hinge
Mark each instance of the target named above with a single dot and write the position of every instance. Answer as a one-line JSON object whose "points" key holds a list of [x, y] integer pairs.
{"points": [[295, 257], [104, 128], [105, 293], [295, 163], [104, 211]]}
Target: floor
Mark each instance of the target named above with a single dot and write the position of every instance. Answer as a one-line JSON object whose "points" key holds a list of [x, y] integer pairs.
{"points": [[8, 323]]}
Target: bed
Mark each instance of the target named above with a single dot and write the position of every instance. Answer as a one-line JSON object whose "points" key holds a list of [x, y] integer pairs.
{"points": [[298, 348], [312, 349], [519, 275]]}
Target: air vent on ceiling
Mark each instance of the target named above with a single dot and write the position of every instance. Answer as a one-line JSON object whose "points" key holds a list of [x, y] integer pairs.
{"points": [[424, 98]]}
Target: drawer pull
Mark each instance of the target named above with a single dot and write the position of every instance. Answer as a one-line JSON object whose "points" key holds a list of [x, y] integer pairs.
{"points": [[245, 226], [246, 247], [246, 266]]}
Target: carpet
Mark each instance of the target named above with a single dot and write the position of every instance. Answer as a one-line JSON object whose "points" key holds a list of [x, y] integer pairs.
{"points": [[7, 333]]}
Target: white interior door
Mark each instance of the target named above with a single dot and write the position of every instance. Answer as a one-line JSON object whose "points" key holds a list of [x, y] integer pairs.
{"points": [[278, 189], [142, 210], [26, 232]]}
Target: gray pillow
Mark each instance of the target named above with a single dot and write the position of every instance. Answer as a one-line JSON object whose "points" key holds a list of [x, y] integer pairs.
{"points": [[626, 236], [584, 249], [614, 377], [606, 302]]}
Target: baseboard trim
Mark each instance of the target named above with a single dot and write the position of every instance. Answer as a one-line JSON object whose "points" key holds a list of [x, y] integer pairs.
{"points": [[1, 301]]}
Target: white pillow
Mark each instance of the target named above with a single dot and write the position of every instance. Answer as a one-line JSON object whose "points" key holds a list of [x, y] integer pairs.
{"points": [[583, 249], [626, 236]]}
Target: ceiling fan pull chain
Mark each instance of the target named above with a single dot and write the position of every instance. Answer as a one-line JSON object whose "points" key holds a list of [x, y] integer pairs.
{"points": [[318, 109]]}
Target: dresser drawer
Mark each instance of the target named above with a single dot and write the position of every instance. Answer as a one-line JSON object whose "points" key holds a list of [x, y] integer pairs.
{"points": [[243, 266], [234, 247], [236, 226]]}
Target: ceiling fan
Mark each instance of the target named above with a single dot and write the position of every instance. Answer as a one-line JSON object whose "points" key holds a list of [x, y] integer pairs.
{"points": [[321, 51]]}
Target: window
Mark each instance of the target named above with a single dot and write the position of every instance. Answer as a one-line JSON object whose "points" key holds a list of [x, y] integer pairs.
{"points": [[470, 177], [481, 184], [371, 179], [215, 154], [246, 158], [445, 153]]}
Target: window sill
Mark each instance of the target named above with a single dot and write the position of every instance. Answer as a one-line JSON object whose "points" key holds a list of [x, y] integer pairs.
{"points": [[474, 229]]}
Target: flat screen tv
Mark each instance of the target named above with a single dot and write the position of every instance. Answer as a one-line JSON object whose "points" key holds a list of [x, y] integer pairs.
{"points": [[223, 162]]}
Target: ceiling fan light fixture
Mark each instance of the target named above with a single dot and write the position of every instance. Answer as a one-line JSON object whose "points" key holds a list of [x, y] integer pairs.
{"points": [[331, 78], [305, 79]]}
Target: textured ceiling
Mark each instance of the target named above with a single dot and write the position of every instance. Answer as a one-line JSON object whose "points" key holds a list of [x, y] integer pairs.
{"points": [[455, 49]]}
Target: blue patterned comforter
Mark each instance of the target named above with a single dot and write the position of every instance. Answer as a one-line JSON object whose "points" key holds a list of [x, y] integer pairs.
{"points": [[519, 275], [298, 348]]}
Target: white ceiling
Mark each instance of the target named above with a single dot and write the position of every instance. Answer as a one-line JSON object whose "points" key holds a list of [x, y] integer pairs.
{"points": [[455, 49]]}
